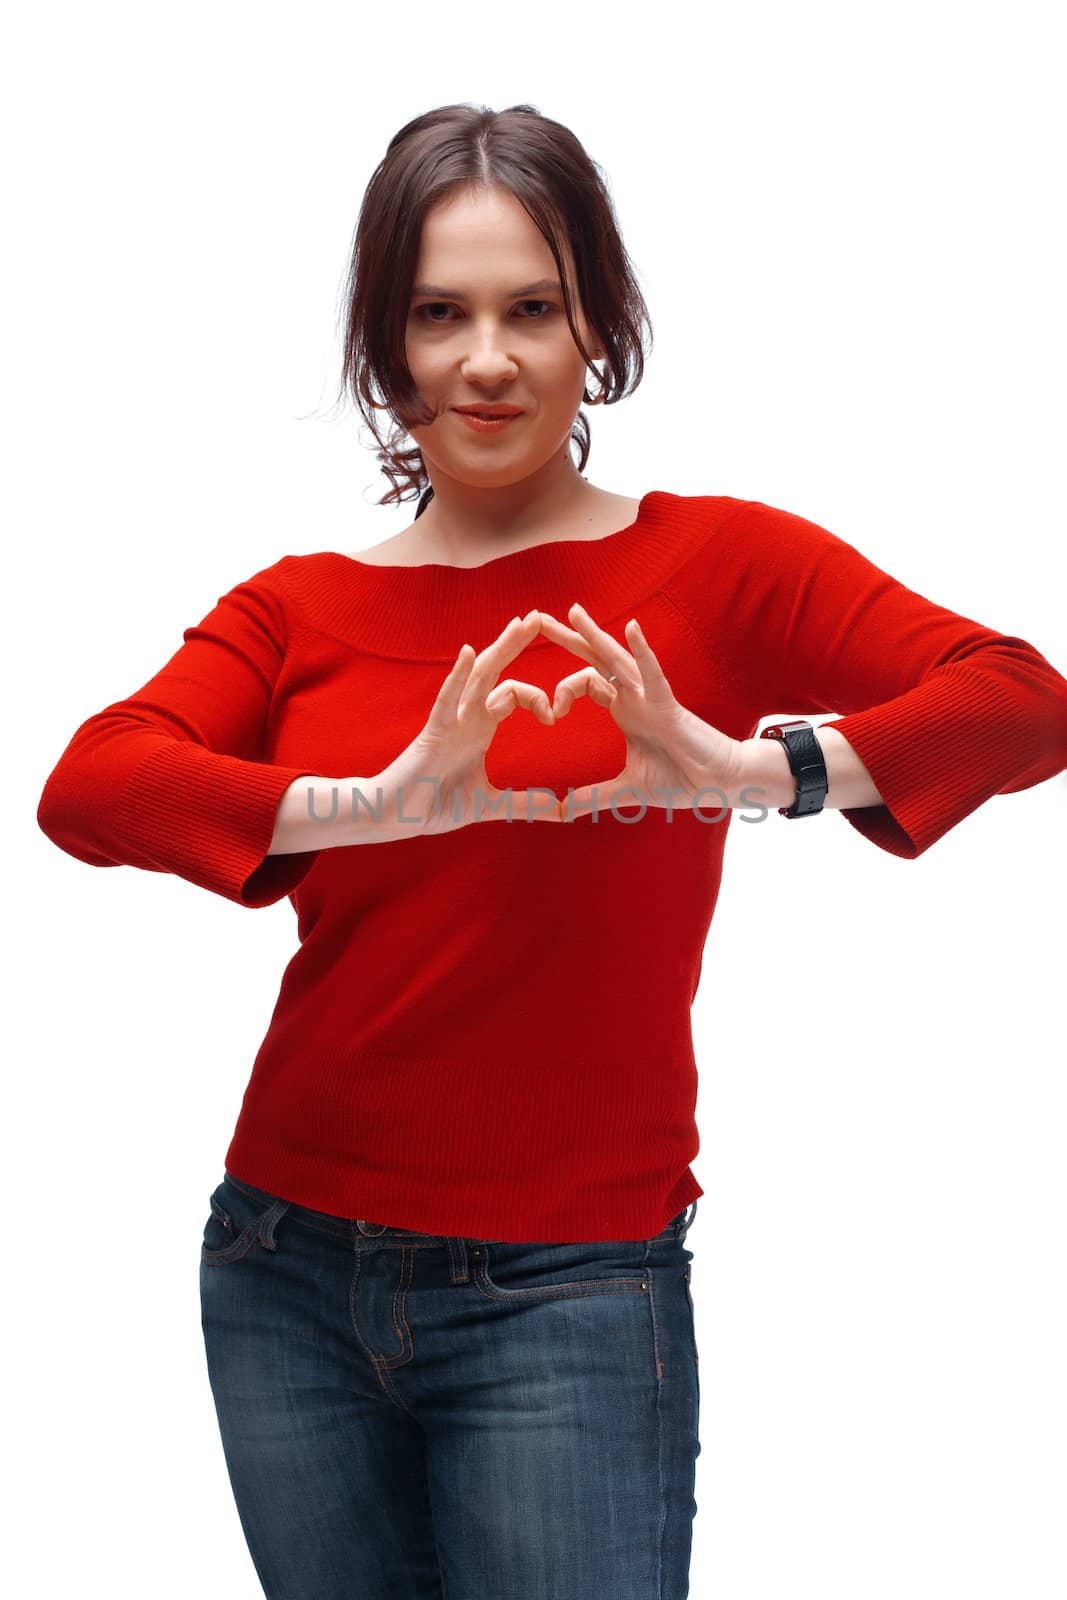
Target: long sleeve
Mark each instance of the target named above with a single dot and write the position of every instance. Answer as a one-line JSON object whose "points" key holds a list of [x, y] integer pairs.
{"points": [[943, 711], [172, 779]]}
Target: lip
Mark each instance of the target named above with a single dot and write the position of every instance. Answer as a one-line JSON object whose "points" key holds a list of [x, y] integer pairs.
{"points": [[495, 424], [499, 408]]}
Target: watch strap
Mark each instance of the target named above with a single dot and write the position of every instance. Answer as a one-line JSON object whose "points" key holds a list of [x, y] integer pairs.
{"points": [[806, 763]]}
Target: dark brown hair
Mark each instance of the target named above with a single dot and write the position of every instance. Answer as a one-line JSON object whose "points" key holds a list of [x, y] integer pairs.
{"points": [[546, 168]]}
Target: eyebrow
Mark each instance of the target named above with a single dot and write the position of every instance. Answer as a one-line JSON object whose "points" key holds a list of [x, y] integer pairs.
{"points": [[542, 284]]}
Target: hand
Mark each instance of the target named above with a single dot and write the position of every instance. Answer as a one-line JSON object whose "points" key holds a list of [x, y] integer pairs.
{"points": [[448, 755], [667, 747]]}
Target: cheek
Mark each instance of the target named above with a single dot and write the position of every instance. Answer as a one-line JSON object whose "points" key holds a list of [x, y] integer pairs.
{"points": [[426, 365], [564, 359], [434, 380]]}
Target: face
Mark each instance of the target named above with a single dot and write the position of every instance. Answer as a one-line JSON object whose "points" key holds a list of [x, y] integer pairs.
{"points": [[473, 341]]}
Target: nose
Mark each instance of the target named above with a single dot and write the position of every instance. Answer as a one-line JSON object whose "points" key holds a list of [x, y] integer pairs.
{"points": [[487, 360]]}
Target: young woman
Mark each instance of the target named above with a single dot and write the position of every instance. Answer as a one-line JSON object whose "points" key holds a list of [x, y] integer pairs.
{"points": [[444, 1279]]}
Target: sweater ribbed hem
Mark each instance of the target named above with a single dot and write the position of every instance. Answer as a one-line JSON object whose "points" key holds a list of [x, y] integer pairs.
{"points": [[935, 755], [564, 1151], [223, 809]]}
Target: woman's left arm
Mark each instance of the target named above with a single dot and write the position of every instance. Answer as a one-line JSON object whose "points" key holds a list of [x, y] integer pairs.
{"points": [[941, 712]]}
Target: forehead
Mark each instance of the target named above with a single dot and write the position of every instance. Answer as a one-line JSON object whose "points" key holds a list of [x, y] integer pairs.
{"points": [[485, 238]]}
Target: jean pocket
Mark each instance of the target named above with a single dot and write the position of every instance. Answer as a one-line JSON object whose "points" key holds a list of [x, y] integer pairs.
{"points": [[239, 1217], [523, 1273]]}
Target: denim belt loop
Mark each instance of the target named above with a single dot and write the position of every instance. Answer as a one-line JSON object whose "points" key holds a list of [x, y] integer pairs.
{"points": [[269, 1221], [687, 1221], [457, 1255]]}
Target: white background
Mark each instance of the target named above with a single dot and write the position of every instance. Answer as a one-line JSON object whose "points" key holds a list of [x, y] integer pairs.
{"points": [[848, 226]]}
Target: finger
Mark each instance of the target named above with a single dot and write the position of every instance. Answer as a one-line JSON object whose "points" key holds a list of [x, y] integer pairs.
{"points": [[526, 805], [520, 805], [594, 797], [579, 645], [508, 644], [605, 648], [639, 645], [506, 697], [648, 665], [448, 696], [552, 629], [489, 664], [587, 681]]}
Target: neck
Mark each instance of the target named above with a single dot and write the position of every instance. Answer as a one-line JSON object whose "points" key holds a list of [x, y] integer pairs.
{"points": [[464, 527]]}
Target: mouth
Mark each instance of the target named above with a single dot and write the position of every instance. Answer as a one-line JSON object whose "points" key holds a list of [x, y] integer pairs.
{"points": [[488, 421]]}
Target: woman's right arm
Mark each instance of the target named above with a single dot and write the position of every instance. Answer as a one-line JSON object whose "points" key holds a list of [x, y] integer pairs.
{"points": [[324, 813], [172, 779]]}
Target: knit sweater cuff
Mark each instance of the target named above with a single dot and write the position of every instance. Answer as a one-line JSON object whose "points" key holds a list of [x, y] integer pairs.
{"points": [[216, 813], [936, 754]]}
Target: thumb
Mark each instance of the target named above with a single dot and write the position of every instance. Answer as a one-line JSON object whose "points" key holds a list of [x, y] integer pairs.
{"points": [[584, 801]]}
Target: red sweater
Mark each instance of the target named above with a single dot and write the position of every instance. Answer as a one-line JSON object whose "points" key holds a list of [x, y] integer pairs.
{"points": [[487, 1032]]}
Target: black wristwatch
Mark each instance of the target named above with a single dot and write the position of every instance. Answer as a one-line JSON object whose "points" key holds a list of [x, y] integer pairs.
{"points": [[806, 764]]}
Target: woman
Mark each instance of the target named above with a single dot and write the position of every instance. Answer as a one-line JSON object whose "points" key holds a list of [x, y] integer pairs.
{"points": [[445, 1285]]}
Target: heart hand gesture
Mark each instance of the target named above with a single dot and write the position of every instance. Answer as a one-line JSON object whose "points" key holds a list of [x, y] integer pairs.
{"points": [[671, 754], [439, 782]]}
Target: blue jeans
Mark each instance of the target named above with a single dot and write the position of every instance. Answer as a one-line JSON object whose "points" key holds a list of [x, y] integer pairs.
{"points": [[406, 1416]]}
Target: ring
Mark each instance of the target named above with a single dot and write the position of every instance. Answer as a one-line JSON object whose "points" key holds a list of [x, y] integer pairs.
{"points": [[612, 676]]}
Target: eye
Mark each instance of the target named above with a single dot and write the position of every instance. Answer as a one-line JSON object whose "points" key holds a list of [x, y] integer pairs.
{"points": [[443, 305]]}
